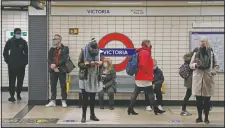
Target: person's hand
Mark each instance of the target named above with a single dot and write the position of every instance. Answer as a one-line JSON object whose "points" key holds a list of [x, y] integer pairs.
{"points": [[52, 66], [99, 62], [197, 63], [86, 63], [213, 72], [56, 70], [153, 86]]}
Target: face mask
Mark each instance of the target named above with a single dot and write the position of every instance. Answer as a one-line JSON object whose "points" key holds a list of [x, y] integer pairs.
{"points": [[55, 43], [203, 49], [150, 46], [105, 65], [17, 36], [155, 67]]}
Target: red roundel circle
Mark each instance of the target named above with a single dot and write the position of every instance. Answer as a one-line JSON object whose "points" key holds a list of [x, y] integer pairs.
{"points": [[117, 37]]}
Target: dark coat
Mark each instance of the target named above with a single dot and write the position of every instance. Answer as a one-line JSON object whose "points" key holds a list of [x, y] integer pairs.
{"points": [[63, 56], [18, 56], [110, 79], [83, 69], [158, 77], [188, 81]]}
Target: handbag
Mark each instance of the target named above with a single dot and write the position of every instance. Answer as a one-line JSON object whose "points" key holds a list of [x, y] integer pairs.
{"points": [[68, 83], [69, 65], [82, 73]]}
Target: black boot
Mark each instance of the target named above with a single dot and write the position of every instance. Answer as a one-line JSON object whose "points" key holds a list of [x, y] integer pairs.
{"points": [[131, 111], [19, 97], [84, 110], [199, 119], [157, 110], [92, 113]]}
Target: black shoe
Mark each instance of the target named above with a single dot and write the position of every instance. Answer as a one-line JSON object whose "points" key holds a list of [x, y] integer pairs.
{"points": [[111, 108], [206, 121], [83, 120], [94, 118], [101, 107], [12, 99], [198, 120], [157, 110], [131, 112], [19, 97]]}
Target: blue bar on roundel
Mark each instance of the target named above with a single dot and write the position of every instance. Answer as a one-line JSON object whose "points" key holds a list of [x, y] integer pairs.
{"points": [[118, 51]]}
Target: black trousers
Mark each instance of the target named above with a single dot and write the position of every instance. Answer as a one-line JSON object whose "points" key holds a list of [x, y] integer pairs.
{"points": [[158, 92], [110, 92], [16, 74], [54, 77], [203, 103], [85, 96], [148, 91], [186, 98]]}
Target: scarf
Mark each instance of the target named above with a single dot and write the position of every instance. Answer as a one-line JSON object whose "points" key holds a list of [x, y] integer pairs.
{"points": [[205, 59], [87, 55]]}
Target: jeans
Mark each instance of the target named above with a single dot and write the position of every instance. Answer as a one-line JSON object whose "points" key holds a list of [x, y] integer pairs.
{"points": [[110, 92], [54, 77], [148, 90], [186, 98]]}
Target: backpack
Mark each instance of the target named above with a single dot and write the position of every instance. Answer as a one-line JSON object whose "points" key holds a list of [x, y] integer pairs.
{"points": [[132, 65], [185, 71]]}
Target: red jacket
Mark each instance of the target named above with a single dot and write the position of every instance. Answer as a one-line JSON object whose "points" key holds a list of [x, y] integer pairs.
{"points": [[145, 64]]}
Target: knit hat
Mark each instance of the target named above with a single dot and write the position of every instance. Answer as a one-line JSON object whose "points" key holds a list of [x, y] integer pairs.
{"points": [[93, 46]]}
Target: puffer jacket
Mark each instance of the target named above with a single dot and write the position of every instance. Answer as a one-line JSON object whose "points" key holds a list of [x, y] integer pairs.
{"points": [[145, 64]]}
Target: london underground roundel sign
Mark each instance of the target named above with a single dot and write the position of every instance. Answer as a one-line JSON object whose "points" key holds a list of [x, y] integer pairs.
{"points": [[128, 51]]}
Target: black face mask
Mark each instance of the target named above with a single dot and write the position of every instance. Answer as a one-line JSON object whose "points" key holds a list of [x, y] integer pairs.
{"points": [[203, 50], [151, 46]]}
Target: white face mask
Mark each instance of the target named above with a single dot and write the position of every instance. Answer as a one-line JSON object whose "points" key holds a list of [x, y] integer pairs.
{"points": [[105, 65], [55, 43]]}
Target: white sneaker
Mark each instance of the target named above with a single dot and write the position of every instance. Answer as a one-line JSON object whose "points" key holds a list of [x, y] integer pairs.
{"points": [[64, 104], [148, 108], [51, 104], [160, 108]]}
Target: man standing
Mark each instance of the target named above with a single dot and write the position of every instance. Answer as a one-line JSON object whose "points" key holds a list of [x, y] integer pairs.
{"points": [[57, 57], [16, 56]]}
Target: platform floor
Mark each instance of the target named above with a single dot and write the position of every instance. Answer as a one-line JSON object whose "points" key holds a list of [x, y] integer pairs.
{"points": [[20, 114]]}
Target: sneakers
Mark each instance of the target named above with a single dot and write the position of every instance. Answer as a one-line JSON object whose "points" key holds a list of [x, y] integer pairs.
{"points": [[185, 113], [64, 104], [161, 108], [51, 104], [149, 108], [12, 99]]}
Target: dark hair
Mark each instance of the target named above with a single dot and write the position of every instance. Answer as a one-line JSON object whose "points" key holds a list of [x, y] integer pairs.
{"points": [[145, 42], [16, 30]]}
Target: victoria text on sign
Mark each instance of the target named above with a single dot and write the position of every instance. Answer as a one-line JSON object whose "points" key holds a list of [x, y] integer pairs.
{"points": [[118, 51]]}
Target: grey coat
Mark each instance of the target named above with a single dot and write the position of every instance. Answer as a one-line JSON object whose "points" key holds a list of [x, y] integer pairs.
{"points": [[203, 82], [188, 82]]}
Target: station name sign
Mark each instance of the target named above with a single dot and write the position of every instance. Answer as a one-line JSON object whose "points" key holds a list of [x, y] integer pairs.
{"points": [[118, 51]]}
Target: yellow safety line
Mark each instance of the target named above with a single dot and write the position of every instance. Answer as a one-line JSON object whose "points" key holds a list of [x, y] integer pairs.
{"points": [[73, 6]]}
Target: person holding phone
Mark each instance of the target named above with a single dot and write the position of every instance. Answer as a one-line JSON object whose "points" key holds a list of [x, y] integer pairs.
{"points": [[90, 65], [204, 63]]}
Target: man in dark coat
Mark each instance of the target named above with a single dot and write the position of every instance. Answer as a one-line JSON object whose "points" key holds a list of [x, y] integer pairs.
{"points": [[16, 56]]}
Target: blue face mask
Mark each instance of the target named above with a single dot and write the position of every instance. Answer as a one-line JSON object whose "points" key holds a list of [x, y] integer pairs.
{"points": [[155, 67], [17, 36]]}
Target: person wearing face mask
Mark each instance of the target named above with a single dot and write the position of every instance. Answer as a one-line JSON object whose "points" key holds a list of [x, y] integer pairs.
{"points": [[205, 66], [57, 56], [108, 83], [16, 56], [90, 65], [158, 81], [144, 78]]}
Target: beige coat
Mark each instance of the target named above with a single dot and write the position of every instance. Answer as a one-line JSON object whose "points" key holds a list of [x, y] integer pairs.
{"points": [[203, 82]]}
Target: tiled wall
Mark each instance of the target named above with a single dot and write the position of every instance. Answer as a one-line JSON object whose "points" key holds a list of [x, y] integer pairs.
{"points": [[11, 20], [169, 37]]}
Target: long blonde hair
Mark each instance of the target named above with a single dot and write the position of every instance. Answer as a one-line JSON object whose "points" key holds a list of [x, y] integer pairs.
{"points": [[109, 62]]}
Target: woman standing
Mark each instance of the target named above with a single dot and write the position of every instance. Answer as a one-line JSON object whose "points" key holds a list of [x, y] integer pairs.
{"points": [[89, 75], [205, 65], [108, 83]]}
